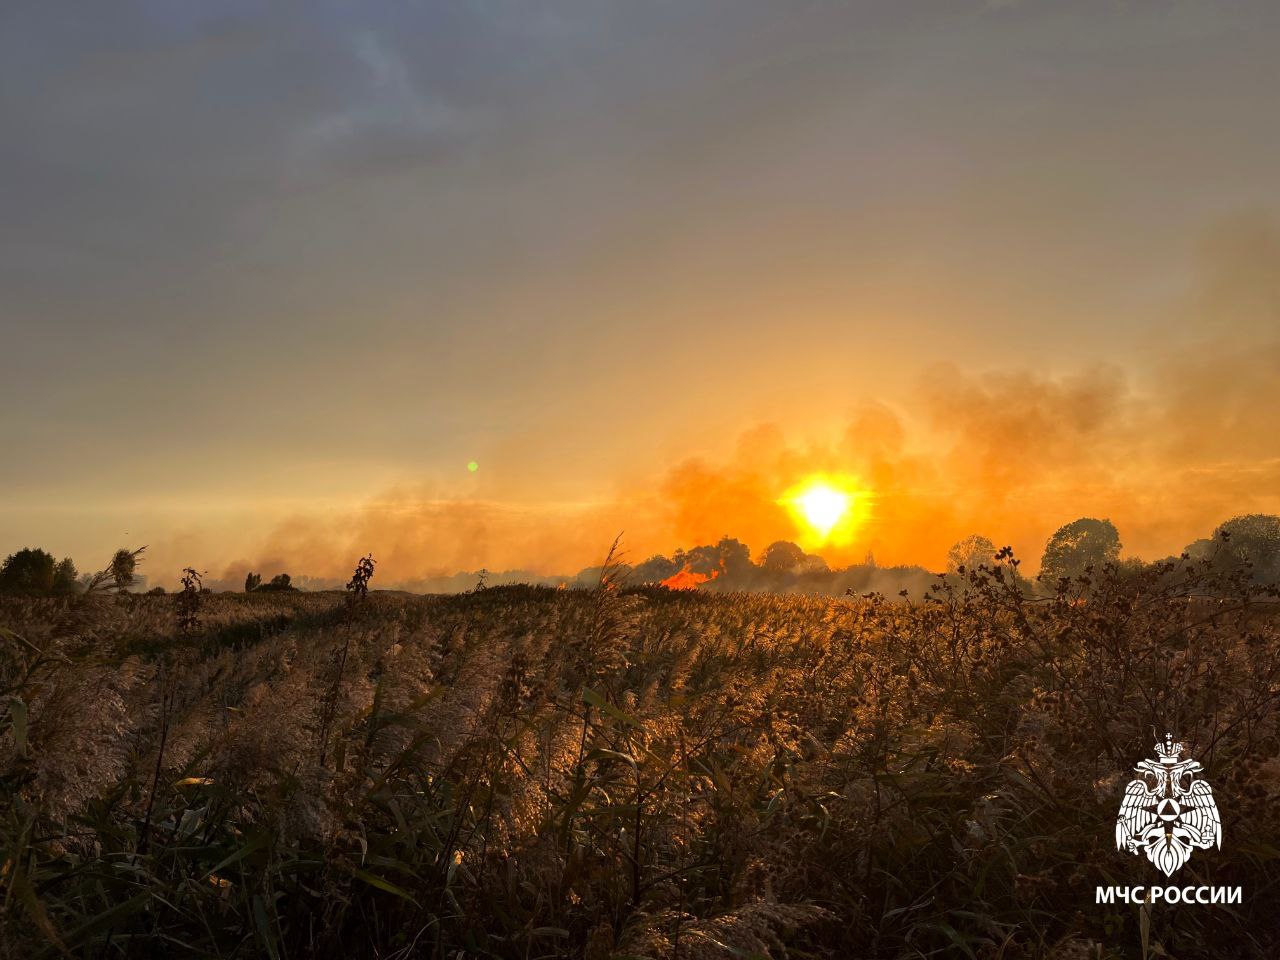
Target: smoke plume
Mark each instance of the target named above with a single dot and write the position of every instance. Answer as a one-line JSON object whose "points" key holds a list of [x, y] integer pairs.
{"points": [[1166, 448]]}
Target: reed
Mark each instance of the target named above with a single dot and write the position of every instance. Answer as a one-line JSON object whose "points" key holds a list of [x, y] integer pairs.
{"points": [[524, 772]]}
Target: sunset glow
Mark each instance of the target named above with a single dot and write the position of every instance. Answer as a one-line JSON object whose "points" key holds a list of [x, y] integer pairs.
{"points": [[811, 276], [827, 509]]}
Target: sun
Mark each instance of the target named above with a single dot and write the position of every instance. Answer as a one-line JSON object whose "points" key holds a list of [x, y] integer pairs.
{"points": [[823, 507], [828, 509]]}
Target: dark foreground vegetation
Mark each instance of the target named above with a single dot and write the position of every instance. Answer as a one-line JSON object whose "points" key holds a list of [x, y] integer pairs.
{"points": [[522, 772]]}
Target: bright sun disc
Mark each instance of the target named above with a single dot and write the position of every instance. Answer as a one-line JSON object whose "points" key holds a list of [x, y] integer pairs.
{"points": [[823, 507], [828, 509]]}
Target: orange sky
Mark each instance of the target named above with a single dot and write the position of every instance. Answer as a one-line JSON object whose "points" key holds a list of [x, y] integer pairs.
{"points": [[270, 281]]}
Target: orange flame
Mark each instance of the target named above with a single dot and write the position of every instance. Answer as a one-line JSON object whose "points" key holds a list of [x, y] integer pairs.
{"points": [[687, 579]]}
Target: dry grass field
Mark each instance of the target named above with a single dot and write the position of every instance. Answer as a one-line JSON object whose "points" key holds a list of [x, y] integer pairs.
{"points": [[521, 772]]}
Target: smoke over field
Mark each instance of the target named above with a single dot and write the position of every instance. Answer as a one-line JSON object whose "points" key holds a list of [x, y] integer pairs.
{"points": [[1167, 446], [575, 480]]}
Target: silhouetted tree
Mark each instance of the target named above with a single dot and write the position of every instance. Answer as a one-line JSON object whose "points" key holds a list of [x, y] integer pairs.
{"points": [[65, 577], [1202, 549], [33, 572], [123, 565], [735, 557], [280, 582], [812, 563], [654, 570], [782, 556], [970, 552], [252, 581], [29, 571], [729, 556], [1079, 545], [1253, 540]]}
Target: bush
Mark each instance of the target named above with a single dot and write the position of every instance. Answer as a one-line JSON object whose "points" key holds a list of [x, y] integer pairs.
{"points": [[33, 572], [281, 581]]}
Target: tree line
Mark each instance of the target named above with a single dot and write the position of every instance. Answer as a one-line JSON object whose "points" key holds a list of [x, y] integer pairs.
{"points": [[1249, 541]]}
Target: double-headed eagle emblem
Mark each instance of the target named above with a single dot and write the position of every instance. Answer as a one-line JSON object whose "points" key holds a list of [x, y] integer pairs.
{"points": [[1166, 812]]}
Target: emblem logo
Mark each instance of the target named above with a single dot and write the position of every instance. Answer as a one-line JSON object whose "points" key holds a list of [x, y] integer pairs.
{"points": [[1167, 812]]}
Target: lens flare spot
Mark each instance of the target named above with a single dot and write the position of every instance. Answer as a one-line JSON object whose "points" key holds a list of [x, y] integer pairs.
{"points": [[472, 466]]}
